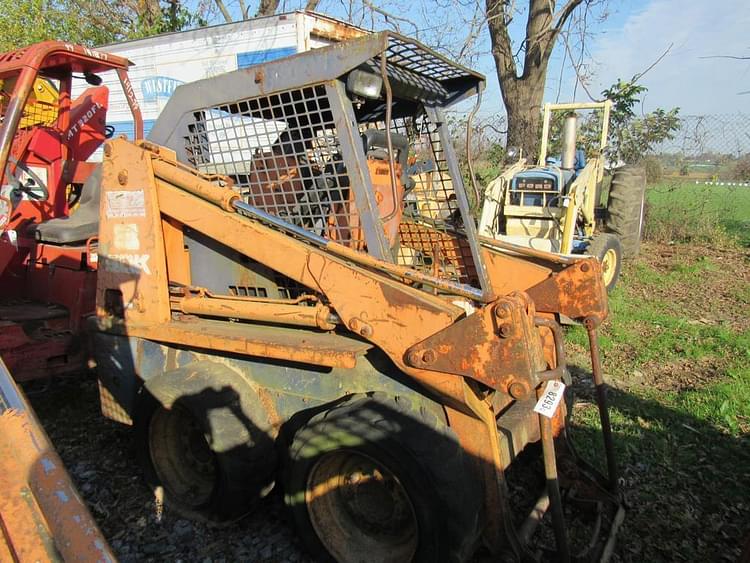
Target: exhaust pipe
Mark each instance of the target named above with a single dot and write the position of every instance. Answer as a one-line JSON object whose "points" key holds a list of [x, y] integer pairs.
{"points": [[569, 141]]}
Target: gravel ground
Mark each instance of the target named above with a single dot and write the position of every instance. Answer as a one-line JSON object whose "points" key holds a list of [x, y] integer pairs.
{"points": [[100, 458]]}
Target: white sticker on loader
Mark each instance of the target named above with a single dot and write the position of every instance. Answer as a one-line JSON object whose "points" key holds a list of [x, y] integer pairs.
{"points": [[550, 399], [125, 236], [126, 203]]}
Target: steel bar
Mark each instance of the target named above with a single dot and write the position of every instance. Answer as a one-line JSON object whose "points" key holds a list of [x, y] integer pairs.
{"points": [[388, 140], [553, 485], [534, 518], [48, 521], [601, 402], [469, 156], [318, 316], [356, 256]]}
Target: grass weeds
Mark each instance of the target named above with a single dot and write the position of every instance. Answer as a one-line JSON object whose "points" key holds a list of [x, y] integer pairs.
{"points": [[680, 397]]}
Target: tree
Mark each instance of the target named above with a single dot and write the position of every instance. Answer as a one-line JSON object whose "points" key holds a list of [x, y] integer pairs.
{"points": [[632, 138], [30, 21], [523, 88], [91, 22]]}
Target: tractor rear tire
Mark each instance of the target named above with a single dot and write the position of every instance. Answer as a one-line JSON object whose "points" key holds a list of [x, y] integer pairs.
{"points": [[626, 206], [608, 250], [381, 479]]}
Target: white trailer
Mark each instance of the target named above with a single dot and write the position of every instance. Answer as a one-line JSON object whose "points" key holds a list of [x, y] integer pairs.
{"points": [[165, 61]]}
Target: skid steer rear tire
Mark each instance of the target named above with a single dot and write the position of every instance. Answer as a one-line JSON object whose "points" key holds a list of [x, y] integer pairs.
{"points": [[196, 439], [626, 206], [378, 479], [606, 247]]}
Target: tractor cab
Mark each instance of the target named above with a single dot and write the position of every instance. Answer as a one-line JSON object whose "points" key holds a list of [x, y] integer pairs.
{"points": [[49, 198]]}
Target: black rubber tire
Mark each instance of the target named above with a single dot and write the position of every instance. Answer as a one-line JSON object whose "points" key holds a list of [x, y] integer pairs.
{"points": [[415, 445], [600, 245], [243, 457], [626, 206]]}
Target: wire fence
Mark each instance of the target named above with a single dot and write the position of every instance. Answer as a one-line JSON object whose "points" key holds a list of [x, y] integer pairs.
{"points": [[708, 149]]}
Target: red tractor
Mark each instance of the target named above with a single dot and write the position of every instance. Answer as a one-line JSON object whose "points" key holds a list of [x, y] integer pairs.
{"points": [[49, 200]]}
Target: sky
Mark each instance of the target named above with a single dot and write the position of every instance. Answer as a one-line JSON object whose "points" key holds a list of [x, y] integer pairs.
{"points": [[695, 29], [635, 34]]}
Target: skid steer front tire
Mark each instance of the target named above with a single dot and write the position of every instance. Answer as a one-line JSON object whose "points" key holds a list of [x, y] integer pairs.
{"points": [[381, 479], [626, 206], [196, 440]]}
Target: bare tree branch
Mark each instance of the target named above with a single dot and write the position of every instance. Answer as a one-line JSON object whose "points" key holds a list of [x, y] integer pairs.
{"points": [[267, 8], [502, 48], [391, 18], [224, 11], [641, 74], [725, 57]]}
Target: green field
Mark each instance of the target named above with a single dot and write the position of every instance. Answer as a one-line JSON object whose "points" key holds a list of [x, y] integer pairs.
{"points": [[690, 212], [676, 349]]}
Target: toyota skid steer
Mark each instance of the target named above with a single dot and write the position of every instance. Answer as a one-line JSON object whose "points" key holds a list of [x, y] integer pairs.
{"points": [[275, 311]]}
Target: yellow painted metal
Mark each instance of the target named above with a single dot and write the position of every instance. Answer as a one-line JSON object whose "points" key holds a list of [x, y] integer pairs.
{"points": [[41, 107]]}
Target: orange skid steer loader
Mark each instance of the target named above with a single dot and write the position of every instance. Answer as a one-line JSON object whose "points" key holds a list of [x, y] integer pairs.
{"points": [[272, 309]]}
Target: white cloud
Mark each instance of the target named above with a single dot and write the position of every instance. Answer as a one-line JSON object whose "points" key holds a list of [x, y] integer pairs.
{"points": [[696, 28]]}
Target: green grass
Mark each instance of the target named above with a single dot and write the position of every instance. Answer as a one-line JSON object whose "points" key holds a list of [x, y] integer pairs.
{"points": [[680, 402], [694, 212]]}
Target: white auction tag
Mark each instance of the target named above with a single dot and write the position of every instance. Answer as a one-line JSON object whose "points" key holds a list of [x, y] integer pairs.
{"points": [[550, 399]]}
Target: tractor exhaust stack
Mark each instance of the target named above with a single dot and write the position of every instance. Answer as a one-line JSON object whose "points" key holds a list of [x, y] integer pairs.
{"points": [[569, 141]]}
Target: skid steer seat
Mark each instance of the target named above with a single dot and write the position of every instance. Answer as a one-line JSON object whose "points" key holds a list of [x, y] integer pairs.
{"points": [[82, 224]]}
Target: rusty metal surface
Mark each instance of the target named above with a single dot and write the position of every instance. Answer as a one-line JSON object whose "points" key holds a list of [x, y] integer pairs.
{"points": [[43, 518], [494, 346], [314, 315], [576, 291], [292, 344]]}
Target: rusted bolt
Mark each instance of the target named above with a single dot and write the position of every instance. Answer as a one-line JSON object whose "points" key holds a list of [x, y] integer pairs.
{"points": [[585, 267], [366, 331], [429, 356], [260, 76], [518, 390], [415, 358], [590, 323], [354, 324], [502, 311], [107, 149], [122, 177], [504, 331]]}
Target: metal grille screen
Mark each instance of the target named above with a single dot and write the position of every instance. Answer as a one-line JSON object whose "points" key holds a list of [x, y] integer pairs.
{"points": [[283, 153], [429, 239]]}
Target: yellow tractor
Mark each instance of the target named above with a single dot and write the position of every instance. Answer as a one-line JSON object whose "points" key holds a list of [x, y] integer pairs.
{"points": [[555, 204]]}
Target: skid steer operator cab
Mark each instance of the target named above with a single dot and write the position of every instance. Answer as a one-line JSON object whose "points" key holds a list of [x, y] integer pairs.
{"points": [[49, 198], [283, 152]]}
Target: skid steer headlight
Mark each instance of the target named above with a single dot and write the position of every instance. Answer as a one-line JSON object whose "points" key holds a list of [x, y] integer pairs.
{"points": [[365, 84]]}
